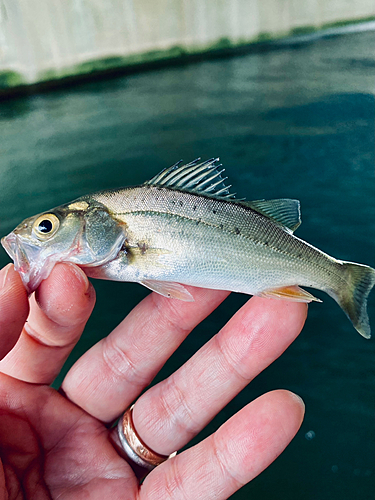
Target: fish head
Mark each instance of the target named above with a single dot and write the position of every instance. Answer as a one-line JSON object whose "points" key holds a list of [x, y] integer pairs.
{"points": [[82, 232]]}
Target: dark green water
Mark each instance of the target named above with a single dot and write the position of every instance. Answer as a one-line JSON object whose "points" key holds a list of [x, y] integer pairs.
{"points": [[295, 122]]}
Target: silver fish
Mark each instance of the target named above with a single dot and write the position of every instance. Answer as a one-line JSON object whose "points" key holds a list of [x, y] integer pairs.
{"points": [[184, 227]]}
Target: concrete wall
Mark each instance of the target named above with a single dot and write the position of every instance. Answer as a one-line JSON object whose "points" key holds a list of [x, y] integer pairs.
{"points": [[47, 39]]}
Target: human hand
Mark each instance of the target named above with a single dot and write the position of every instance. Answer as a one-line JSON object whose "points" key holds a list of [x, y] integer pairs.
{"points": [[59, 445]]}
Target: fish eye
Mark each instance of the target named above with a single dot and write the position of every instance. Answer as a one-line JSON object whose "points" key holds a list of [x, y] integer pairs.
{"points": [[46, 225]]}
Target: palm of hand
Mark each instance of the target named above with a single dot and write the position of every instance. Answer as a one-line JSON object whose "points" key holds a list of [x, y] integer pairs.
{"points": [[51, 448]]}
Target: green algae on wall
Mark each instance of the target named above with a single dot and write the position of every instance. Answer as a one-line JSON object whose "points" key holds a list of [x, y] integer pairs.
{"points": [[9, 79], [224, 44]]}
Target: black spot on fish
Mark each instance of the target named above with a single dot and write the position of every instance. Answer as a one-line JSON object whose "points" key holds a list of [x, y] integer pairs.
{"points": [[194, 207], [237, 231], [142, 247], [181, 203], [221, 226], [214, 211]]}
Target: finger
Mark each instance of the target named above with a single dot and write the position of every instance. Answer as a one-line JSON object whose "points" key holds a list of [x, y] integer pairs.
{"points": [[14, 308], [171, 413], [59, 311], [108, 377], [234, 455]]}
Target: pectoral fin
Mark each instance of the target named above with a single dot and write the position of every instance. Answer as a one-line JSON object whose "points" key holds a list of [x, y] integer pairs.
{"points": [[170, 290], [293, 293]]}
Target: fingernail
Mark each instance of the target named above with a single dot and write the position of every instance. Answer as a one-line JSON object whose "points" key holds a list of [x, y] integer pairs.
{"points": [[81, 276], [5, 276], [298, 399]]}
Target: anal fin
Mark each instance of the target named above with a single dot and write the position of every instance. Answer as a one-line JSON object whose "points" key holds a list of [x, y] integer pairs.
{"points": [[168, 289], [293, 293]]}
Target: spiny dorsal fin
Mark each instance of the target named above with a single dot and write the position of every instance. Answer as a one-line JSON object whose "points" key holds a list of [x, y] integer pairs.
{"points": [[206, 178], [203, 178], [284, 212]]}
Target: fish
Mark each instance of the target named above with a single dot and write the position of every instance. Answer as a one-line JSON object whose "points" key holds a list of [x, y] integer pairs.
{"points": [[185, 227]]}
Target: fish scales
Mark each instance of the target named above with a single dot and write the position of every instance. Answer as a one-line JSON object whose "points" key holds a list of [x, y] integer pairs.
{"points": [[227, 216], [227, 228]]}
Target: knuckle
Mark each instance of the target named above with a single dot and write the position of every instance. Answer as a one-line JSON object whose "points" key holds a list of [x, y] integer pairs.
{"points": [[120, 363], [170, 314], [177, 409], [222, 459], [234, 362], [53, 336], [174, 484]]}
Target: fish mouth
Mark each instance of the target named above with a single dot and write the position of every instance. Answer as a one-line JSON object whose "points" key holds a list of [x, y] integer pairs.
{"points": [[13, 248], [34, 263], [25, 256]]}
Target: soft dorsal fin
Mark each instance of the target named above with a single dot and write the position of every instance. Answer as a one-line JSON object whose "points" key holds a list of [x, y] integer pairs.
{"points": [[284, 212], [203, 178]]}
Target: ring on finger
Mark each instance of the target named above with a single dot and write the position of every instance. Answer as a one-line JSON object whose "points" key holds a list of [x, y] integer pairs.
{"points": [[133, 445]]}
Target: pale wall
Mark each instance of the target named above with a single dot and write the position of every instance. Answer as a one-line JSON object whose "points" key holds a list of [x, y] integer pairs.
{"points": [[47, 39]]}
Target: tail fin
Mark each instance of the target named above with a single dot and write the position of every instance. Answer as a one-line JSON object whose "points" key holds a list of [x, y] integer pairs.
{"points": [[353, 298]]}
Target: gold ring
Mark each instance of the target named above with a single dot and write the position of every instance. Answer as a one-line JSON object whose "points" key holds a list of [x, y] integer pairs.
{"points": [[133, 445]]}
